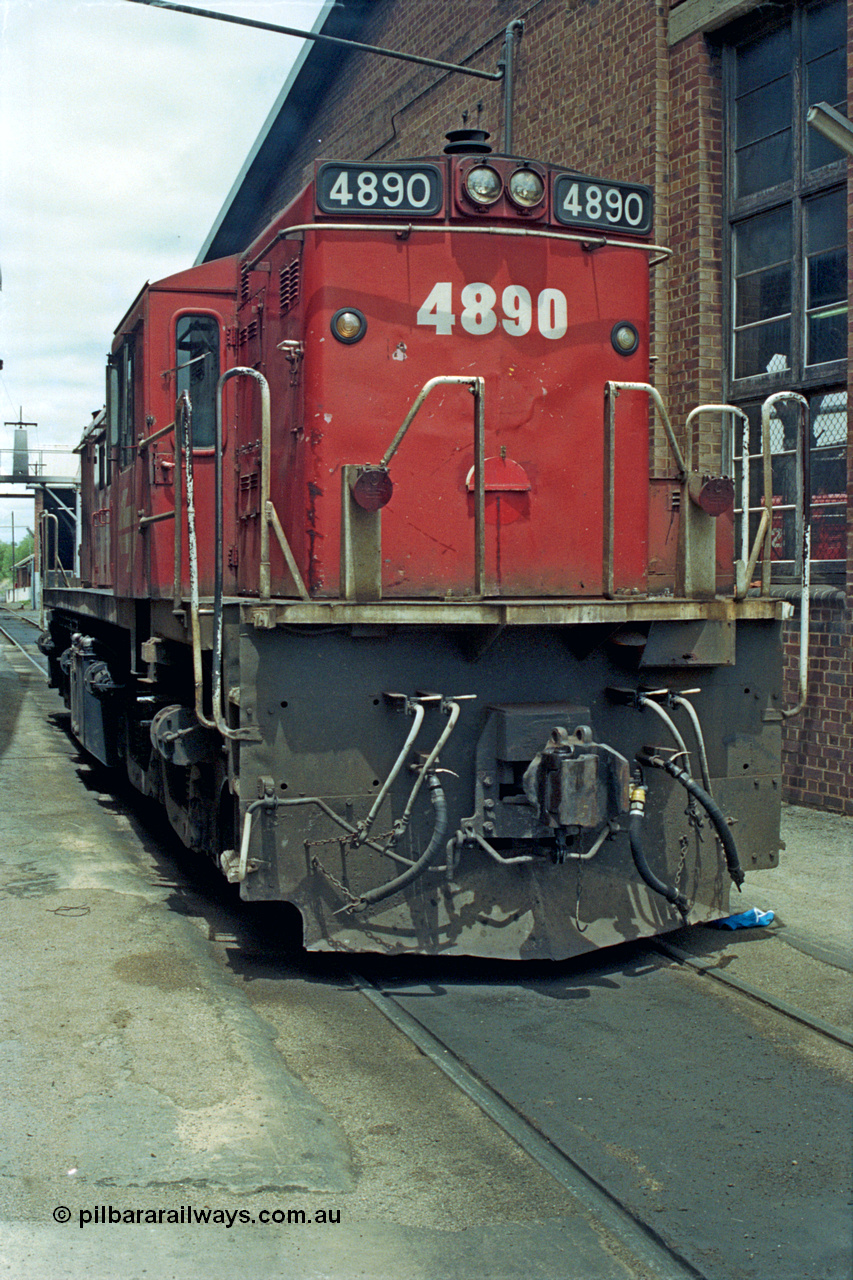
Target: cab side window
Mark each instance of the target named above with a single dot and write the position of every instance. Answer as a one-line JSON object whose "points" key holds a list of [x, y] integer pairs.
{"points": [[197, 350], [124, 391]]}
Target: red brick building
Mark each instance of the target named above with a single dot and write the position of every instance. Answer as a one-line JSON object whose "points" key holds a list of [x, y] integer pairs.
{"points": [[705, 101]]}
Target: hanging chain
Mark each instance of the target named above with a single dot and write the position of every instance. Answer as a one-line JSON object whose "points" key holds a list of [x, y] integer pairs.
{"points": [[694, 817], [683, 843], [317, 865], [348, 843]]}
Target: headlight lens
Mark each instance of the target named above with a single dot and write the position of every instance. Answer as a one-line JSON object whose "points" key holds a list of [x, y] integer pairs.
{"points": [[625, 338], [349, 325], [526, 188], [484, 185]]}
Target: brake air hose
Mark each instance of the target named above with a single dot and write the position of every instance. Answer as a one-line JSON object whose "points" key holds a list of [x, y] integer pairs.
{"points": [[411, 873], [711, 808], [635, 835]]}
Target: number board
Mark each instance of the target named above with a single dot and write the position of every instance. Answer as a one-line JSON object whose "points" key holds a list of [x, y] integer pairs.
{"points": [[401, 189], [612, 206]]}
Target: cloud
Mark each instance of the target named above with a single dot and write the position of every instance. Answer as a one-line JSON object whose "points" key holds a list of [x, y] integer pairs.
{"points": [[122, 129]]}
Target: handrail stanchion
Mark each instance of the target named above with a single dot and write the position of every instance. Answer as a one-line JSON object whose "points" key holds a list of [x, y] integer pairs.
{"points": [[804, 517]]}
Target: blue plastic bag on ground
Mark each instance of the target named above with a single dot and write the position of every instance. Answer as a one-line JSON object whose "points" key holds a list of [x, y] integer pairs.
{"points": [[745, 920]]}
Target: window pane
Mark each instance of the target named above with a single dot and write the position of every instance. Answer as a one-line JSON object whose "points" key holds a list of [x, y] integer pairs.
{"points": [[762, 61], [829, 419], [825, 28], [764, 294], [826, 278], [826, 79], [197, 343], [764, 240], [783, 424], [763, 112], [113, 399], [826, 222], [820, 151], [825, 54], [827, 336], [764, 348], [829, 475], [763, 164]]}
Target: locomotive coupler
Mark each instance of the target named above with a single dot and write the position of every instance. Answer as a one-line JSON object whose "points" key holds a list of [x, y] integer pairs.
{"points": [[575, 782]]}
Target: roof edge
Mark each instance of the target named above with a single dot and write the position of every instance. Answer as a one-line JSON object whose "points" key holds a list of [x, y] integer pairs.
{"points": [[221, 231]]}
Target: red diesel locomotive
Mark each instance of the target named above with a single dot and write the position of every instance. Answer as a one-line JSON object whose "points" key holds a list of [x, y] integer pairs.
{"points": [[378, 597]]}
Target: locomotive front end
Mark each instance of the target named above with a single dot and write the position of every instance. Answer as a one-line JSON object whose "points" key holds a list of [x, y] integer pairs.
{"points": [[445, 754], [383, 602]]}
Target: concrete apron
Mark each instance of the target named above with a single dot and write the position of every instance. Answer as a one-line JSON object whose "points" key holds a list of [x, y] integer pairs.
{"points": [[153, 1063], [137, 1078]]}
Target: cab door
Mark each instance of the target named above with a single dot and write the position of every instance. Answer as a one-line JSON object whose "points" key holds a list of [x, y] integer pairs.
{"points": [[126, 417]]}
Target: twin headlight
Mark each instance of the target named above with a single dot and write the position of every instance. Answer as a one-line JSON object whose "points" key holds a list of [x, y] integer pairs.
{"points": [[485, 186]]}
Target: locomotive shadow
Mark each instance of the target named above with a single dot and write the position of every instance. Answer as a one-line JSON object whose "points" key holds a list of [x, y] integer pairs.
{"points": [[195, 887], [435, 977]]}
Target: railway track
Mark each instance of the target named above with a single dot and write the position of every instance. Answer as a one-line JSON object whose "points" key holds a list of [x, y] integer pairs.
{"points": [[615, 1217], [655, 1102], [22, 633]]}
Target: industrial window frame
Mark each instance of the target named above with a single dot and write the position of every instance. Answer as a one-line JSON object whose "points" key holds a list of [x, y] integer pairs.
{"points": [[792, 198]]}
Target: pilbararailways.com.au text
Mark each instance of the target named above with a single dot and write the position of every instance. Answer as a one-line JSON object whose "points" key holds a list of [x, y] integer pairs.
{"points": [[186, 1214]]}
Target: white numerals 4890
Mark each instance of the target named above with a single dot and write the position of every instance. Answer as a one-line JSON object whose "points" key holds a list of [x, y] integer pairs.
{"points": [[479, 315]]}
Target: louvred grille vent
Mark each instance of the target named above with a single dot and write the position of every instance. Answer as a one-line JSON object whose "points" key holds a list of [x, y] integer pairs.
{"points": [[251, 331], [288, 287]]}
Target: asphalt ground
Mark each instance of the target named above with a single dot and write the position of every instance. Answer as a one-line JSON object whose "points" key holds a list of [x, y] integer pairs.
{"points": [[161, 1056]]}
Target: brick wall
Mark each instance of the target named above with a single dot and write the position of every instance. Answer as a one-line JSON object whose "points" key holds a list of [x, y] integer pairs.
{"points": [[817, 745]]}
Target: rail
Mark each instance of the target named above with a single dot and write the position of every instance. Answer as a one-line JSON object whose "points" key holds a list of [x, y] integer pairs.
{"points": [[477, 387], [611, 391], [178, 428], [611, 394], [28, 467], [44, 542], [746, 564], [402, 231], [762, 542], [803, 508]]}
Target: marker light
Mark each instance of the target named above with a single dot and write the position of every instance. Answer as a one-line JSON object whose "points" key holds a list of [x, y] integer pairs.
{"points": [[526, 188], [349, 325], [483, 185], [625, 338]]}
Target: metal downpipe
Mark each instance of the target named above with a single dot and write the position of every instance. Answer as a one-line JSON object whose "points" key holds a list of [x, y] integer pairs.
{"points": [[508, 64]]}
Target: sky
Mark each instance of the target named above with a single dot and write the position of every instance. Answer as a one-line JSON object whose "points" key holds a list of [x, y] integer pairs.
{"points": [[122, 131]]}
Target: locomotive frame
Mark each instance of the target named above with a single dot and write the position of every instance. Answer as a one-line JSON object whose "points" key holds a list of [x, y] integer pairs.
{"points": [[438, 715]]}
